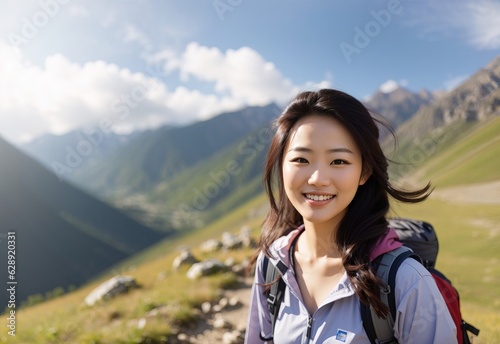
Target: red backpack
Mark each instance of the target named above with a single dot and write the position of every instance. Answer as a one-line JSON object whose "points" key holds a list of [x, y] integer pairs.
{"points": [[420, 242]]}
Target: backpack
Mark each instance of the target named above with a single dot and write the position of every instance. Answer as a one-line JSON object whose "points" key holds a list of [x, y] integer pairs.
{"points": [[420, 242]]}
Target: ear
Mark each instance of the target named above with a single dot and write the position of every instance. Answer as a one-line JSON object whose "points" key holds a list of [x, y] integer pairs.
{"points": [[365, 175]]}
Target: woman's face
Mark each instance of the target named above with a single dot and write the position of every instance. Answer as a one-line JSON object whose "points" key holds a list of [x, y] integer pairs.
{"points": [[322, 169]]}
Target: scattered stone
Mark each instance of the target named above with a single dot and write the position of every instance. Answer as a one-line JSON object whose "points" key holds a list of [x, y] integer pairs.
{"points": [[223, 302], [234, 302], [111, 288], [141, 323], [206, 268], [231, 241], [183, 337], [221, 323], [211, 245], [206, 307], [246, 237], [185, 258], [233, 337], [230, 262]]}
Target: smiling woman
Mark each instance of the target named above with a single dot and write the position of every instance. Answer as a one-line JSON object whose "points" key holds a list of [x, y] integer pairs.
{"points": [[328, 188]]}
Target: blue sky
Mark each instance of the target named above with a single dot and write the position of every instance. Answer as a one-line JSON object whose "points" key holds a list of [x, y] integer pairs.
{"points": [[132, 65]]}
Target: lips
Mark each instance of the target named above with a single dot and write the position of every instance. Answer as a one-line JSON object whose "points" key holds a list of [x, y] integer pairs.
{"points": [[314, 197]]}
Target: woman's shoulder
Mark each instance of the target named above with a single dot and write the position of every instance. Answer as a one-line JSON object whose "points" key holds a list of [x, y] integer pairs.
{"points": [[283, 243], [413, 275], [412, 268]]}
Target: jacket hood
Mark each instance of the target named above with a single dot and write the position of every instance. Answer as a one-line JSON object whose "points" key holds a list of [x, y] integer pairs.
{"points": [[385, 244]]}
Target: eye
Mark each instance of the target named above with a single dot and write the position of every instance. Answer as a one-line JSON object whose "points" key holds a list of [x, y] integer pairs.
{"points": [[299, 160], [339, 162]]}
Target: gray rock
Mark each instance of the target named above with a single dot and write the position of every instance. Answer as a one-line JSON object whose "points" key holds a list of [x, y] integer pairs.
{"points": [[206, 307], [211, 245], [231, 241], [206, 268], [233, 337], [109, 289], [185, 258], [221, 323]]}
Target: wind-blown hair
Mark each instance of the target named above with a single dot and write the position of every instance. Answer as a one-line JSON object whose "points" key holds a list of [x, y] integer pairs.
{"points": [[365, 220]]}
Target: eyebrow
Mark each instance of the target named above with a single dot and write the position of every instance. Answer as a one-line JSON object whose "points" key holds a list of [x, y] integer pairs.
{"points": [[332, 150]]}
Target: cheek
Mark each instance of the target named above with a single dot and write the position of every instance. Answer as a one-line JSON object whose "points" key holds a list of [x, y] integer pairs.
{"points": [[349, 178], [289, 175]]}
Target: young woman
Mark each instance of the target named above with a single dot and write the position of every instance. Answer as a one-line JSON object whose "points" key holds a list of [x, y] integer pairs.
{"points": [[327, 182]]}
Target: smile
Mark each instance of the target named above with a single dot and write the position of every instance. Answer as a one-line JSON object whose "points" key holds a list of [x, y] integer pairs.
{"points": [[319, 197]]}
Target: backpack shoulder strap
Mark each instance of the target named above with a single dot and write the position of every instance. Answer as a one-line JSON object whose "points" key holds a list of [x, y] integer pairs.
{"points": [[380, 330], [275, 296]]}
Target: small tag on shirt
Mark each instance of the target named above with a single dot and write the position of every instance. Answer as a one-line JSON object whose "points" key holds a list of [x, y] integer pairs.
{"points": [[344, 336]]}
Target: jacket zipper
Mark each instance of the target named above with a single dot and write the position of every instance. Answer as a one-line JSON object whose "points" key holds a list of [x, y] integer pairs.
{"points": [[309, 327]]}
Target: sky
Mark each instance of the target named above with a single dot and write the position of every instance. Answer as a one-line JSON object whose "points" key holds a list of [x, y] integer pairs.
{"points": [[133, 65]]}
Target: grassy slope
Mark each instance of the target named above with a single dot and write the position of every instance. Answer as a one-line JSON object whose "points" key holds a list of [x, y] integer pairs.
{"points": [[474, 159]]}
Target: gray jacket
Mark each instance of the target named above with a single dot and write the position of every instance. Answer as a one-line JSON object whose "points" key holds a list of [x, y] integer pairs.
{"points": [[422, 315]]}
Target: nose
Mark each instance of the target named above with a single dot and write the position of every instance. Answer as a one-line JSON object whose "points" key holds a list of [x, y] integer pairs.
{"points": [[320, 177]]}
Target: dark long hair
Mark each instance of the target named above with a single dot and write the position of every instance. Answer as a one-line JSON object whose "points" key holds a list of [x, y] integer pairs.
{"points": [[365, 220]]}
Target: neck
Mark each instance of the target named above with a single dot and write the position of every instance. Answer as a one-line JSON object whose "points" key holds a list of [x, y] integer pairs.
{"points": [[318, 241]]}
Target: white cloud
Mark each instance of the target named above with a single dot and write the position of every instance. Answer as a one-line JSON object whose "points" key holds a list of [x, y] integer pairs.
{"points": [[389, 86], [475, 22], [484, 26], [61, 95], [242, 74], [133, 34]]}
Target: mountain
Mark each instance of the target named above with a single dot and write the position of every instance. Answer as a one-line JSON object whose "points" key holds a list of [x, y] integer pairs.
{"points": [[399, 104], [215, 185], [476, 99], [159, 155], [179, 176], [449, 118], [76, 150], [63, 236]]}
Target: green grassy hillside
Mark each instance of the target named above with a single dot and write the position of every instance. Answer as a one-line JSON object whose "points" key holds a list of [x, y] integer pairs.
{"points": [[474, 159]]}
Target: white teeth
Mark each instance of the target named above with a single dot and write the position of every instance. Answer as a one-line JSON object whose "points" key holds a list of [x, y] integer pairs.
{"points": [[319, 197]]}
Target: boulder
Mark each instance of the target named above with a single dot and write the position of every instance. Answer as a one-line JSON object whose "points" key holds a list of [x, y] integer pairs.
{"points": [[111, 288], [185, 258], [205, 268], [211, 245], [246, 237], [231, 241]]}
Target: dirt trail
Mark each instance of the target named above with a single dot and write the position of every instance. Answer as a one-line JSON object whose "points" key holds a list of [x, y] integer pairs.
{"points": [[484, 193], [236, 317]]}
